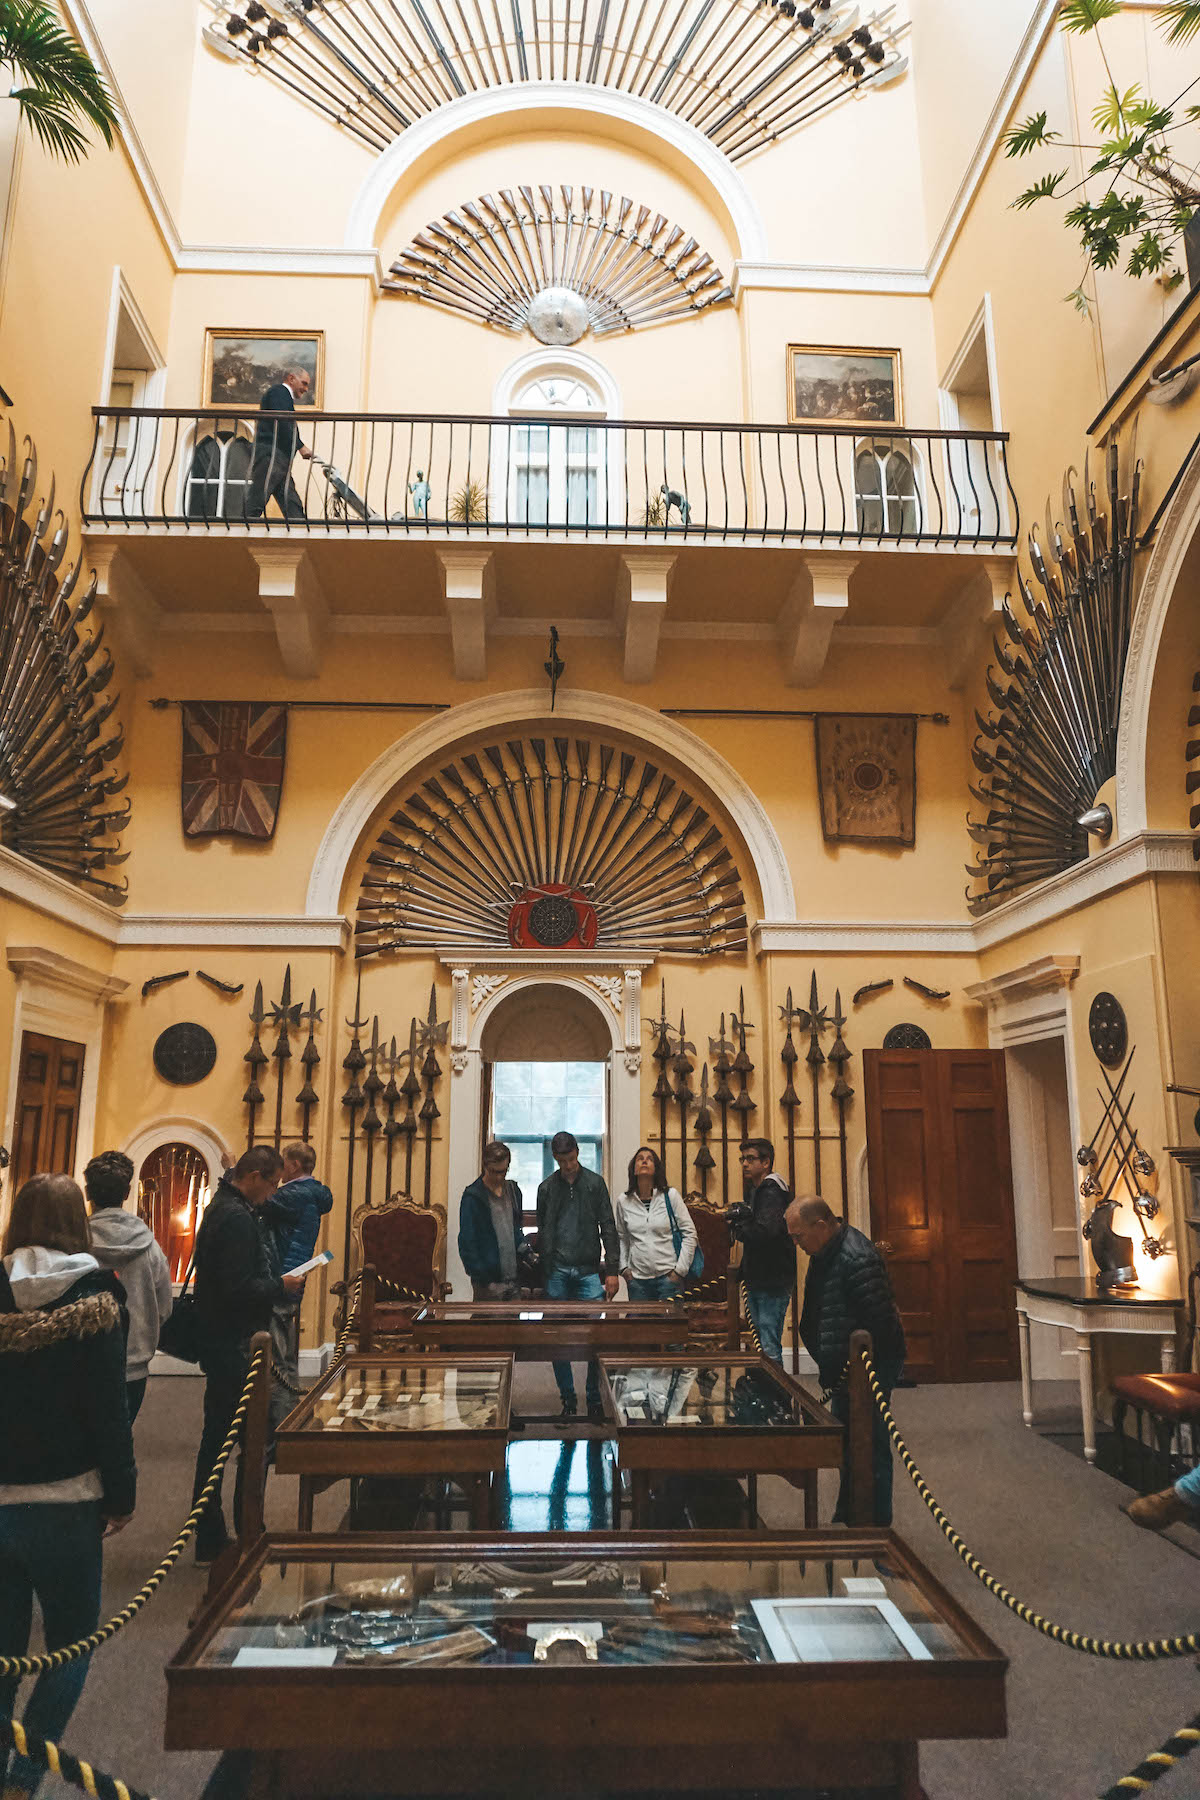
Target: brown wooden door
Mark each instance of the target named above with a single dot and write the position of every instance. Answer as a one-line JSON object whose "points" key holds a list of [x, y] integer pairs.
{"points": [[47, 1120], [941, 1199]]}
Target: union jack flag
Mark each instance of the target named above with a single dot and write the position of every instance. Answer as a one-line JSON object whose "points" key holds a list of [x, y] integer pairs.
{"points": [[233, 755]]}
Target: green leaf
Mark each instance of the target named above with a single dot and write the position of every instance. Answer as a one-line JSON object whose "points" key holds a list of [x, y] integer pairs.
{"points": [[1108, 115], [1041, 190], [1180, 19], [1028, 135], [58, 89], [1080, 301], [1148, 255], [1085, 15]]}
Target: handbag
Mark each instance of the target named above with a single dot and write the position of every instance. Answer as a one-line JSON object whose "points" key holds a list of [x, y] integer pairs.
{"points": [[697, 1268], [179, 1334]]}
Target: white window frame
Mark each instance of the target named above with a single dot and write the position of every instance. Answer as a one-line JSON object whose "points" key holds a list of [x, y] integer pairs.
{"points": [[606, 460], [139, 478], [980, 333], [883, 447]]}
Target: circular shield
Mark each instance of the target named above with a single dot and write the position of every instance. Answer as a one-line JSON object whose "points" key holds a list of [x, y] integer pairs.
{"points": [[185, 1053]]}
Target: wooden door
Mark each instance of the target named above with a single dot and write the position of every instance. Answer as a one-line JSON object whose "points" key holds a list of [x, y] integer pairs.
{"points": [[941, 1200], [47, 1120]]}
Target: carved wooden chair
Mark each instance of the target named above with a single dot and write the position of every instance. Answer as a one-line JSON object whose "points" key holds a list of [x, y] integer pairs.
{"points": [[405, 1243], [1170, 1402], [713, 1312]]}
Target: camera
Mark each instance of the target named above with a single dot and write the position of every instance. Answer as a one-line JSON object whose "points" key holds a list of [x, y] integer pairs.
{"points": [[738, 1215]]}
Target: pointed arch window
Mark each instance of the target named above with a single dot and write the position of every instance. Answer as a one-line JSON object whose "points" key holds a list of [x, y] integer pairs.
{"points": [[886, 489]]}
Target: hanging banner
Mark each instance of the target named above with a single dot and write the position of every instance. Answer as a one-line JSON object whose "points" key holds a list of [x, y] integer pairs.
{"points": [[232, 776], [867, 777]]}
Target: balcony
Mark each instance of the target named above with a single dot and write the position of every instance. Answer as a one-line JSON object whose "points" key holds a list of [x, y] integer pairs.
{"points": [[494, 526]]}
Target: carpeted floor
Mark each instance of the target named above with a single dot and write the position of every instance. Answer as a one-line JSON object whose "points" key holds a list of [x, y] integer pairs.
{"points": [[1041, 1520]]}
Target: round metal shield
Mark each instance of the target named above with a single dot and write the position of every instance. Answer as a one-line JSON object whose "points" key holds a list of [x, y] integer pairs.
{"points": [[1108, 1029], [185, 1053]]}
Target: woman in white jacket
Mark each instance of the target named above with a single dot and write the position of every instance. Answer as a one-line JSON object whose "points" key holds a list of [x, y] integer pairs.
{"points": [[648, 1214]]}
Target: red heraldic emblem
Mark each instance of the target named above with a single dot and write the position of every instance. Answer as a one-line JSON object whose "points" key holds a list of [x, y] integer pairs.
{"points": [[233, 756], [554, 917]]}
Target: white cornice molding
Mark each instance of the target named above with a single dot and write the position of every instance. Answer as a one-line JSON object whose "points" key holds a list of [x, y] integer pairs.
{"points": [[49, 971], [1149, 853], [282, 931], [273, 259], [1044, 975], [865, 937], [826, 278], [50, 894], [557, 962], [1030, 48]]}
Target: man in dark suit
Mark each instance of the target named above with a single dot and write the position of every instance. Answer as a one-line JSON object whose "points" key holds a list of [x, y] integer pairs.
{"points": [[276, 442]]}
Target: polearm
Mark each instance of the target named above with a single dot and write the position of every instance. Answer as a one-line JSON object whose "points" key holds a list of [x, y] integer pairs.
{"points": [[353, 1062], [661, 1054], [391, 1125], [257, 1058], [704, 1156], [433, 1034], [839, 1056], [682, 1066], [718, 1049], [410, 1087], [282, 1018], [816, 1056], [789, 1056], [743, 1068], [371, 1121], [310, 1057]]}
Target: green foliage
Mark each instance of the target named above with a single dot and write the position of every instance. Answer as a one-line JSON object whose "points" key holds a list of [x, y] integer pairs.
{"points": [[469, 505], [62, 91], [1149, 195]]}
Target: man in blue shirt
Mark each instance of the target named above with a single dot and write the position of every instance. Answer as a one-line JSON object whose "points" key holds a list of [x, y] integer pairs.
{"points": [[580, 1250]]}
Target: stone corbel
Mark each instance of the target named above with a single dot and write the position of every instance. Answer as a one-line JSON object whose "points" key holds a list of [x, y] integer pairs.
{"points": [[973, 613], [128, 608], [643, 586], [631, 1020], [469, 582], [808, 619], [460, 1016], [289, 589]]}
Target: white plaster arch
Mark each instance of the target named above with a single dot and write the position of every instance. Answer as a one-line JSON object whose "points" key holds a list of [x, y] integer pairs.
{"points": [[1167, 558], [575, 706], [502, 103], [177, 1128], [546, 360], [465, 1122]]}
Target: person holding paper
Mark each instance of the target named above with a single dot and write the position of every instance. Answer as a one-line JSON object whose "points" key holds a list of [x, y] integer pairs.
{"points": [[293, 1213]]}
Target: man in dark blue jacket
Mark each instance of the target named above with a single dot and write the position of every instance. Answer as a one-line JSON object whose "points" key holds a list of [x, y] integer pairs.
{"points": [[276, 442], [490, 1238]]}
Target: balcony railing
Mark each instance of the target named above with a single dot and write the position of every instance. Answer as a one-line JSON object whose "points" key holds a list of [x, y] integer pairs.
{"points": [[532, 476]]}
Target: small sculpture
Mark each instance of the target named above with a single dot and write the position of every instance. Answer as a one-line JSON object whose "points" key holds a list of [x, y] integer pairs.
{"points": [[678, 501], [1113, 1253], [421, 492]]}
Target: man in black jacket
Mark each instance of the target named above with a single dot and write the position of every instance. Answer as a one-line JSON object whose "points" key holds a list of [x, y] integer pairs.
{"points": [[276, 442], [768, 1260], [580, 1250], [237, 1287], [848, 1289]]}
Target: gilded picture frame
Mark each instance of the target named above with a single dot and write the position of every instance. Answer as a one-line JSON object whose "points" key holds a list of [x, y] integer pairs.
{"points": [[829, 384], [239, 366]]}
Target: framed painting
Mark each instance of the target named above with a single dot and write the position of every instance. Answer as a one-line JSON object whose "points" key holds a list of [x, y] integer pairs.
{"points": [[832, 386], [239, 366]]}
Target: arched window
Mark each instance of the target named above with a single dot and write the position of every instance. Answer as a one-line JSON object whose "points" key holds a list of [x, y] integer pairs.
{"points": [[556, 457], [217, 479], [173, 1191], [886, 493]]}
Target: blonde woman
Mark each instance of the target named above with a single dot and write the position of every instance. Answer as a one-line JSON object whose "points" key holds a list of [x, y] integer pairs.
{"points": [[649, 1214]]}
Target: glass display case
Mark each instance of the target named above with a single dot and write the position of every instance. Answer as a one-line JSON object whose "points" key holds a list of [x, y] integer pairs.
{"points": [[544, 1329], [730, 1414], [405, 1415], [795, 1657]]}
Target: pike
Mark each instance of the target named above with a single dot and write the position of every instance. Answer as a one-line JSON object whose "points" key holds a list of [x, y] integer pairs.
{"points": [[353, 1062], [257, 1058], [371, 1121], [817, 1022], [703, 1126], [743, 1068], [719, 1048], [789, 1099], [410, 1088], [682, 1067], [433, 1035], [391, 1125], [310, 1057], [839, 1056], [283, 1016], [661, 1054]]}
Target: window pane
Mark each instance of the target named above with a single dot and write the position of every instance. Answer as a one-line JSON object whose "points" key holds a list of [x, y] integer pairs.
{"points": [[585, 1116], [589, 1154], [548, 1114], [511, 1113], [585, 1078], [526, 1169], [510, 1077], [549, 1078]]}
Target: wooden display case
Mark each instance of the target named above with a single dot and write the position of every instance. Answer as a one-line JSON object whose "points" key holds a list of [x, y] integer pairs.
{"points": [[393, 1414], [545, 1330], [571, 1664], [726, 1414]]}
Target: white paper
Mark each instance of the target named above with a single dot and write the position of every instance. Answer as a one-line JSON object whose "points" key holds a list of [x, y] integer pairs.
{"points": [[255, 1656], [542, 1628], [864, 1584], [314, 1262]]}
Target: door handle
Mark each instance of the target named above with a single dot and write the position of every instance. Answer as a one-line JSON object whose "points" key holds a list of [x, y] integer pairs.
{"points": [[884, 1248]]}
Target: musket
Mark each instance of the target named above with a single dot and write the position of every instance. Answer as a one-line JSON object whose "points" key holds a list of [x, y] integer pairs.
{"points": [[871, 987], [919, 987], [221, 987], [157, 981]]}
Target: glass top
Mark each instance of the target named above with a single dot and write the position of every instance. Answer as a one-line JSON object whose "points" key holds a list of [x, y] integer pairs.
{"points": [[558, 1608], [410, 1396], [740, 1392], [546, 1312]]}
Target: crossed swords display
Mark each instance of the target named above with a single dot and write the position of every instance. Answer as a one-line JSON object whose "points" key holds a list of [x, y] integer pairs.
{"points": [[1113, 1154]]}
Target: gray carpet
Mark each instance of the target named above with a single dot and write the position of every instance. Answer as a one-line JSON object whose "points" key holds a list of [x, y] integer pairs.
{"points": [[1042, 1522]]}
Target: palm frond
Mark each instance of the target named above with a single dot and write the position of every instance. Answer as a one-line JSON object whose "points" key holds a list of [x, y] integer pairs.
{"points": [[58, 76], [1041, 190], [1085, 15], [1028, 135], [51, 123], [1180, 19]]}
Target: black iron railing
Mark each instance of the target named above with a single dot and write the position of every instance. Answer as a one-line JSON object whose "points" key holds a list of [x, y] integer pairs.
{"points": [[529, 476]]}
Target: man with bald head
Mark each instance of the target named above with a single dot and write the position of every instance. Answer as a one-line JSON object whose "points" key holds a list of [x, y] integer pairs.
{"points": [[848, 1289]]}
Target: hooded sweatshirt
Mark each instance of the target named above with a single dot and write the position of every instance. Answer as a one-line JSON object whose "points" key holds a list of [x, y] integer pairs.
{"points": [[124, 1243], [64, 1417], [294, 1215]]}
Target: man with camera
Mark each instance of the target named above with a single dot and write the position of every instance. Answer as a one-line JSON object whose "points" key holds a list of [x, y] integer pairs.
{"points": [[768, 1260]]}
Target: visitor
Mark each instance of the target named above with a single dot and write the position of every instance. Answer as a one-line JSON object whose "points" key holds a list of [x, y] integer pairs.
{"points": [[768, 1260], [848, 1289], [1176, 1505], [67, 1474], [648, 1215], [237, 1287], [123, 1242], [276, 442], [580, 1251], [490, 1238], [294, 1215]]}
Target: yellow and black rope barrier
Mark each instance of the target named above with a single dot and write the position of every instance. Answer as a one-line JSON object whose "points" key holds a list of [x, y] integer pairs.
{"points": [[1152, 1768], [754, 1337], [1145, 1650], [80, 1774]]}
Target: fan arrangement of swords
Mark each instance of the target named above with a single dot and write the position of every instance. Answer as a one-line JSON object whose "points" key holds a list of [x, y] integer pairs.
{"points": [[56, 777], [744, 72], [560, 843], [1116, 1168], [492, 257], [1052, 743]]}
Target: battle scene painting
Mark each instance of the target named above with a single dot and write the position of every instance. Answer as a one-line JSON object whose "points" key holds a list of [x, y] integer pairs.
{"points": [[843, 387], [239, 366]]}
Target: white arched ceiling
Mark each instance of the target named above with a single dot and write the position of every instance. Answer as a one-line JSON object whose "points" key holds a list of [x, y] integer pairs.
{"points": [[600, 105], [576, 706]]}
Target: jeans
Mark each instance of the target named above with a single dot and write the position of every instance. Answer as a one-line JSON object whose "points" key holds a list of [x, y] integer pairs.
{"points": [[1188, 1488], [767, 1313], [571, 1283], [653, 1287], [225, 1370], [881, 1453], [53, 1552], [135, 1393]]}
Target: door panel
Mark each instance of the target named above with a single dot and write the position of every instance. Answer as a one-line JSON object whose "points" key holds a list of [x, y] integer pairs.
{"points": [[46, 1125], [941, 1201]]}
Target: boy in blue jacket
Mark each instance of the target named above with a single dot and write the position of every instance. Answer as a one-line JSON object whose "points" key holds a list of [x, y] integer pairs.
{"points": [[294, 1214]]}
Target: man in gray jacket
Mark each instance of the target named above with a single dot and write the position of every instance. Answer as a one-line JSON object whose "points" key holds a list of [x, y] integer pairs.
{"points": [[124, 1243]]}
